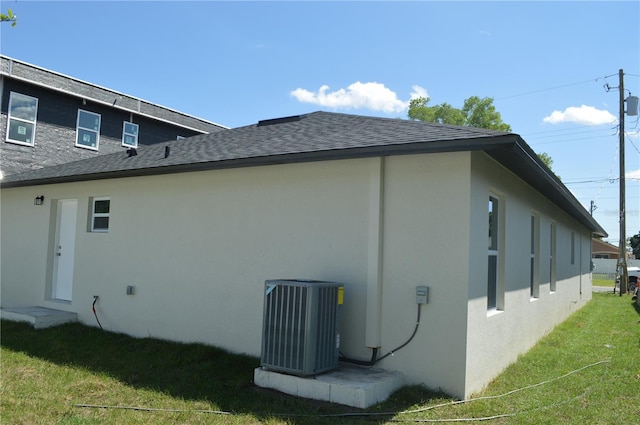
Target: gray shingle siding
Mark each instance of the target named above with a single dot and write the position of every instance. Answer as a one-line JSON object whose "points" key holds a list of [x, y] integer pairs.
{"points": [[54, 80], [55, 135], [59, 99]]}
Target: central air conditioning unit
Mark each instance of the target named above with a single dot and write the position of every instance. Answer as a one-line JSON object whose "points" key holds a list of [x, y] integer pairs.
{"points": [[300, 329]]}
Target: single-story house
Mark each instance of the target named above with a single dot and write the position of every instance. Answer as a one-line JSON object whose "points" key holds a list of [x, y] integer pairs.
{"points": [[178, 241]]}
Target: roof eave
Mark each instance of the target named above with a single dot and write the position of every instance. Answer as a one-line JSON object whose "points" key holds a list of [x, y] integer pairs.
{"points": [[524, 162], [284, 158]]}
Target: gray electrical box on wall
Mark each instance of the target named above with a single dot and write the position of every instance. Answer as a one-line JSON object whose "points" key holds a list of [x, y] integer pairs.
{"points": [[422, 294]]}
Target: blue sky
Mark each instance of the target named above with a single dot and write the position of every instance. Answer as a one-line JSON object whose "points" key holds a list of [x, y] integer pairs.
{"points": [[546, 65]]}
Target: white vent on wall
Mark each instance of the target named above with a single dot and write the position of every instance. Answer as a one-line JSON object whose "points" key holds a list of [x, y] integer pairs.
{"points": [[300, 331]]}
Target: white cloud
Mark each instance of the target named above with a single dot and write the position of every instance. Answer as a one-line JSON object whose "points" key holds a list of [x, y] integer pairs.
{"points": [[374, 96], [586, 115], [419, 92], [633, 174]]}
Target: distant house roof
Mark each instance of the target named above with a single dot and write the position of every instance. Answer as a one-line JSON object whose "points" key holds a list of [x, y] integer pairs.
{"points": [[315, 137], [23, 71], [599, 247]]}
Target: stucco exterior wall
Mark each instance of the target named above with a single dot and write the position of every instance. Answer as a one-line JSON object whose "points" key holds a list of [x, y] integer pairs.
{"points": [[521, 320], [426, 227], [198, 247]]}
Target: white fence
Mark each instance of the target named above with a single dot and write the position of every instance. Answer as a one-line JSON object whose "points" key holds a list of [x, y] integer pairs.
{"points": [[606, 267]]}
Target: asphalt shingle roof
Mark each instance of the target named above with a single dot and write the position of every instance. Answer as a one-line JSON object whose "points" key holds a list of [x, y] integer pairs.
{"points": [[318, 135], [314, 137]]}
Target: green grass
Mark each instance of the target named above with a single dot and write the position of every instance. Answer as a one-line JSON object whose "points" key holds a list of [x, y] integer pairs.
{"points": [[588, 369], [599, 281]]}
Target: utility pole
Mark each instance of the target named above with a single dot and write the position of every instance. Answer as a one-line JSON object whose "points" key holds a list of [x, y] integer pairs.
{"points": [[622, 260]]}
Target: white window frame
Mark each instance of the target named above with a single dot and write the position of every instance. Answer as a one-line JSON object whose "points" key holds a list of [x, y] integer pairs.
{"points": [[82, 130], [126, 133], [94, 215], [12, 119]]}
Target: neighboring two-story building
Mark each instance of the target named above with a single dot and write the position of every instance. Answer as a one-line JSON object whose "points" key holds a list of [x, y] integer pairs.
{"points": [[48, 118]]}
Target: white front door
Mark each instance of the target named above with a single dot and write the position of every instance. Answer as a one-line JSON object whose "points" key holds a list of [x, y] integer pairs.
{"points": [[64, 249]]}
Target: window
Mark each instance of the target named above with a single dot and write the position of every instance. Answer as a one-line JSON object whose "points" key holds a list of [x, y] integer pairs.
{"points": [[130, 135], [23, 110], [534, 278], [100, 208], [88, 130], [573, 247], [552, 258], [492, 278]]}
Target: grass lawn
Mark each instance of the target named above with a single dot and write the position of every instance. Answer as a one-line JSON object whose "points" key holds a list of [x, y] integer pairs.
{"points": [[587, 371], [599, 281]]}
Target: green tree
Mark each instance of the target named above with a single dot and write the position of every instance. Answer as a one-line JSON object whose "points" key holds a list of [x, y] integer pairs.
{"points": [[548, 161], [544, 157], [9, 17], [634, 242], [476, 112]]}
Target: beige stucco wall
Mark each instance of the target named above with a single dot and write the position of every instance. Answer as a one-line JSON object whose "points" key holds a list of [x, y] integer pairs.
{"points": [[199, 246], [196, 246], [521, 321], [426, 227]]}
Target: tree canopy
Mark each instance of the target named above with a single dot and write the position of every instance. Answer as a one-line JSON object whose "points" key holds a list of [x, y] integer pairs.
{"points": [[476, 112], [544, 157]]}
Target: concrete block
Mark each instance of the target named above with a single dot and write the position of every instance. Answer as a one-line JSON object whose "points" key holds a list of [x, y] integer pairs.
{"points": [[347, 385]]}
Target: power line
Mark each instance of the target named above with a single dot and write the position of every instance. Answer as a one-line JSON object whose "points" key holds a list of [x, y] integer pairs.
{"points": [[562, 129], [605, 180], [634, 146], [571, 140], [550, 88], [546, 136]]}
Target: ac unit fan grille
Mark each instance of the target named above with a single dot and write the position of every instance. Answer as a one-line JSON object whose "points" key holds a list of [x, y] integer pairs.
{"points": [[300, 328]]}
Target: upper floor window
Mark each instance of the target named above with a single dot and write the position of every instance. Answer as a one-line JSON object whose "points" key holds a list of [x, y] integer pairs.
{"points": [[130, 135], [88, 130], [23, 110]]}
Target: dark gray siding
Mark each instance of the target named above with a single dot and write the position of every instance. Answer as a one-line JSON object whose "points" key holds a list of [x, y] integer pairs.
{"points": [[56, 129], [62, 83]]}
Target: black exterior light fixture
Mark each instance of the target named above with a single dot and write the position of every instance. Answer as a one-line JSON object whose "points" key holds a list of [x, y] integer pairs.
{"points": [[39, 200]]}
